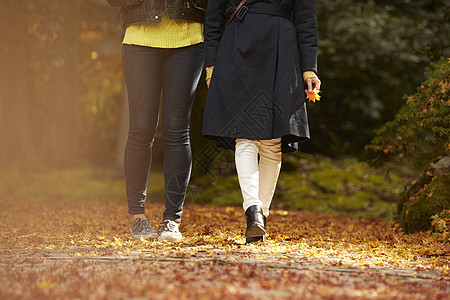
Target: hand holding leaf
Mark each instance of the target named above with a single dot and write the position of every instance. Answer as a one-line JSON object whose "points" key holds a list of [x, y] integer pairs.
{"points": [[312, 93]]}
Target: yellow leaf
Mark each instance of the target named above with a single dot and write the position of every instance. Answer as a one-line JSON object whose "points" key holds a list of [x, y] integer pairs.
{"points": [[46, 284], [373, 244], [313, 96]]}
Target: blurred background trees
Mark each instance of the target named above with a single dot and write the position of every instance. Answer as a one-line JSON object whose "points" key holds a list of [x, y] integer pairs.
{"points": [[371, 54], [62, 92], [60, 83]]}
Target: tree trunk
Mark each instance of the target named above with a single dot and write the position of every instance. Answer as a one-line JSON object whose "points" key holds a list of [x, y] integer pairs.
{"points": [[16, 88], [62, 132]]}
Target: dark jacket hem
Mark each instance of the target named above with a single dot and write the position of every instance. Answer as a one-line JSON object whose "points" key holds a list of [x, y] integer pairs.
{"points": [[151, 11], [289, 142]]}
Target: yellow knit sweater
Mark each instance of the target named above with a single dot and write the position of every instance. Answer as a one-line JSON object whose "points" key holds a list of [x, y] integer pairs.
{"points": [[167, 34]]}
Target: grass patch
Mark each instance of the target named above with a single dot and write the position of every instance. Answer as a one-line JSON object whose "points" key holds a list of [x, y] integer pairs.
{"points": [[81, 184]]}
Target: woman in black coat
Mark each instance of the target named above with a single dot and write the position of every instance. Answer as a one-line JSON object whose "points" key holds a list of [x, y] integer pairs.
{"points": [[256, 100]]}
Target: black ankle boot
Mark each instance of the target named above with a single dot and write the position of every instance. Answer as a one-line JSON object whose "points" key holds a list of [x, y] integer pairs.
{"points": [[256, 224]]}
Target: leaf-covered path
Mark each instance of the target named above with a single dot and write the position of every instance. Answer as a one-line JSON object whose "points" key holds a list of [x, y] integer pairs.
{"points": [[55, 248]]}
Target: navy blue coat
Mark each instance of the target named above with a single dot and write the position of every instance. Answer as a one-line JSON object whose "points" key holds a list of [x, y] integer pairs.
{"points": [[256, 90]]}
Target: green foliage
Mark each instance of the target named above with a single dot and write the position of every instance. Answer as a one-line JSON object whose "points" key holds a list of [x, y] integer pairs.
{"points": [[432, 200], [371, 53], [420, 130]]}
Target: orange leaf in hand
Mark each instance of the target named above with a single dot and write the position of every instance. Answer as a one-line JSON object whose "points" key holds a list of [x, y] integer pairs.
{"points": [[313, 96]]}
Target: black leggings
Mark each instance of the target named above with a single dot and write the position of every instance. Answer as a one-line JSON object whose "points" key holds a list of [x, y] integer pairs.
{"points": [[147, 71]]}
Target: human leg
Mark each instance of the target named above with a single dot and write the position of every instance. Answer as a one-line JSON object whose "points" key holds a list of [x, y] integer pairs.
{"points": [[246, 158], [143, 75], [269, 170], [182, 70]]}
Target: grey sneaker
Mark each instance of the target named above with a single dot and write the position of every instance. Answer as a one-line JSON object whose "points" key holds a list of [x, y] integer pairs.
{"points": [[141, 228], [169, 231]]}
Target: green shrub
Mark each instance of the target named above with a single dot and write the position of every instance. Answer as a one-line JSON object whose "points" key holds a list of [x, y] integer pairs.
{"points": [[433, 199], [420, 130]]}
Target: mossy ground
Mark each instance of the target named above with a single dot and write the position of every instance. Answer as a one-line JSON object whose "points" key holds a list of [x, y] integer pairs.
{"points": [[307, 182], [316, 183]]}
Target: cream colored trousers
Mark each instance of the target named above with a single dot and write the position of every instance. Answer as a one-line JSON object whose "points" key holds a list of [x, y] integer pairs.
{"points": [[258, 180]]}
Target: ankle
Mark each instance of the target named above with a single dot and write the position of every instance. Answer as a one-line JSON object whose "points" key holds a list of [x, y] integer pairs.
{"points": [[165, 220], [134, 217]]}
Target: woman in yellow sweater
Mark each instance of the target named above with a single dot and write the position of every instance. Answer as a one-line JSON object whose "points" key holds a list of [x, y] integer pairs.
{"points": [[162, 50]]}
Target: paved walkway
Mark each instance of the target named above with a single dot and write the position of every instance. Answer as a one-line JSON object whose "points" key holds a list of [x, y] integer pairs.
{"points": [[310, 278]]}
